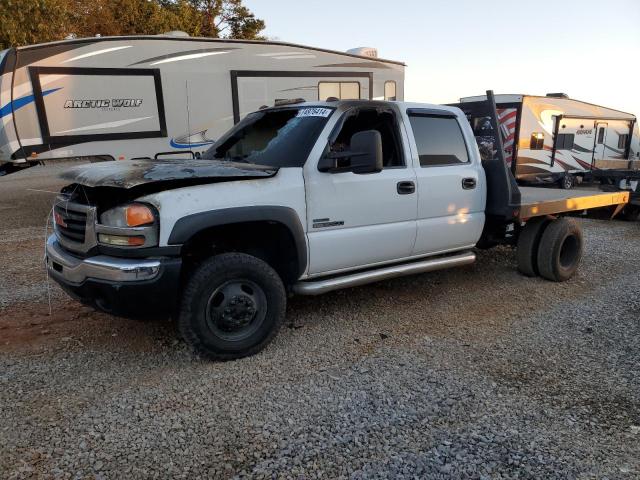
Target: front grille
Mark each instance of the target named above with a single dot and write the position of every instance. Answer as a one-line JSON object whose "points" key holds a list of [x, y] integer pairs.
{"points": [[74, 224]]}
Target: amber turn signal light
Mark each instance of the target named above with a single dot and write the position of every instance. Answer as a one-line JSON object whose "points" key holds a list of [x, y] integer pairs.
{"points": [[138, 215]]}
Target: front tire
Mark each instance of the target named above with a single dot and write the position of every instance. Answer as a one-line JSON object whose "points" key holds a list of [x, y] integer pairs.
{"points": [[232, 307]]}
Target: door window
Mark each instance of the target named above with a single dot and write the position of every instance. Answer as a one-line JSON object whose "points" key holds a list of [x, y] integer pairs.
{"points": [[601, 135], [439, 140], [370, 119]]}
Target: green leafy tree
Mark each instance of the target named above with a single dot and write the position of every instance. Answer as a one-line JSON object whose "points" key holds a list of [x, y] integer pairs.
{"points": [[24, 22], [228, 19]]}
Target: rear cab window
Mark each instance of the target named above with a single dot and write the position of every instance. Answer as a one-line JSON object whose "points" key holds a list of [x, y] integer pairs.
{"points": [[439, 139]]}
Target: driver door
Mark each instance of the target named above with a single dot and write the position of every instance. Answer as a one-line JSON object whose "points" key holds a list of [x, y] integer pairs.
{"points": [[358, 220]]}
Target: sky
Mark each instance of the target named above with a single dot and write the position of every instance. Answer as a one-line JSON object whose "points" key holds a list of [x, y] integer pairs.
{"points": [[454, 48]]}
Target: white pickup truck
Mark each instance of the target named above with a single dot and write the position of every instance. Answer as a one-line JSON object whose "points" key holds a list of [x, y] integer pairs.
{"points": [[299, 199]]}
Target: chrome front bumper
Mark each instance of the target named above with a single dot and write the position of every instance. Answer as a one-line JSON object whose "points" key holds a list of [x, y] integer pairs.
{"points": [[100, 267]]}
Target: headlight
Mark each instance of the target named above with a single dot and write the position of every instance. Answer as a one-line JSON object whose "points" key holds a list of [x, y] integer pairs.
{"points": [[132, 225], [132, 215]]}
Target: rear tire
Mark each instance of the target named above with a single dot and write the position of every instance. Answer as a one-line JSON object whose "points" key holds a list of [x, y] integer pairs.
{"points": [[527, 248], [630, 213], [560, 250], [232, 307]]}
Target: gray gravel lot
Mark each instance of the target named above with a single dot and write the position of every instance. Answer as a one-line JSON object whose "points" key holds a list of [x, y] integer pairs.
{"points": [[470, 373]]}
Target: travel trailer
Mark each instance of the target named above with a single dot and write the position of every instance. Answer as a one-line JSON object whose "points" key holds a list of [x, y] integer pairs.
{"points": [[169, 95], [557, 139]]}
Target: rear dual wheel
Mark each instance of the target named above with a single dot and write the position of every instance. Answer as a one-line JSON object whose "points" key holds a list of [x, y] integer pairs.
{"points": [[550, 248], [631, 213], [527, 249]]}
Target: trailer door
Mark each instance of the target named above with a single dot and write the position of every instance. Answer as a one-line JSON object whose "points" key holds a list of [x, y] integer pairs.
{"points": [[600, 142]]}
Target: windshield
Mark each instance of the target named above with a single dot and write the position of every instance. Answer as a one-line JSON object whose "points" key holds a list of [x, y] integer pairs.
{"points": [[277, 138]]}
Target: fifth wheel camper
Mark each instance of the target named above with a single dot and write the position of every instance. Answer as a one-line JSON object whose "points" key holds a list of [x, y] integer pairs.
{"points": [[169, 95]]}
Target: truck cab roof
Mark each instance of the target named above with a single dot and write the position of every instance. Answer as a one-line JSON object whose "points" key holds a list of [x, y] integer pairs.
{"points": [[343, 105]]}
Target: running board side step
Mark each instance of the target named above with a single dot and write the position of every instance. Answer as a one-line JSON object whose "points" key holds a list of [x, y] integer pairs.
{"points": [[318, 287]]}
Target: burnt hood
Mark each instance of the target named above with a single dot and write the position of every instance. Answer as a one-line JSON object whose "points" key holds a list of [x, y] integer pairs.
{"points": [[132, 173]]}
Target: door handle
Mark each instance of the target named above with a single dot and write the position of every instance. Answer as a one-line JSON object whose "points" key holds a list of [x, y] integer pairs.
{"points": [[406, 188], [468, 183]]}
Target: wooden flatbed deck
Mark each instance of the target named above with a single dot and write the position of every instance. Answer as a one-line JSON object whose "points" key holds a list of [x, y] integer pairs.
{"points": [[537, 202]]}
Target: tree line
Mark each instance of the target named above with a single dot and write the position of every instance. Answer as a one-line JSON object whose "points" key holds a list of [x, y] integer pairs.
{"points": [[25, 22]]}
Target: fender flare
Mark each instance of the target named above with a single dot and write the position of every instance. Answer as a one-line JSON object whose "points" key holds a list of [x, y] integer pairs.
{"points": [[186, 227]]}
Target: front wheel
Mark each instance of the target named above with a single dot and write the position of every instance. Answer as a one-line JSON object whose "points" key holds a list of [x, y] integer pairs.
{"points": [[232, 307]]}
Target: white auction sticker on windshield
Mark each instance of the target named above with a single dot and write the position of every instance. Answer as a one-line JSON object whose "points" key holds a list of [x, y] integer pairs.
{"points": [[314, 112]]}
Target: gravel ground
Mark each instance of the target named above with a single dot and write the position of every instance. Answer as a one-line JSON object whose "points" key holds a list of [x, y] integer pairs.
{"points": [[470, 373]]}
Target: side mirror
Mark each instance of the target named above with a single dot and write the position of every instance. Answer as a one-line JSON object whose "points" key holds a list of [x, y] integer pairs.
{"points": [[364, 155], [367, 147]]}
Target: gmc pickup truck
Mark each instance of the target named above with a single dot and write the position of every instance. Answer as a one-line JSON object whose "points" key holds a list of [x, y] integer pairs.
{"points": [[301, 199]]}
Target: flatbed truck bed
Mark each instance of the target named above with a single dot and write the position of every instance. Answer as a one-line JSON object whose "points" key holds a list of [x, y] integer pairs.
{"points": [[536, 202]]}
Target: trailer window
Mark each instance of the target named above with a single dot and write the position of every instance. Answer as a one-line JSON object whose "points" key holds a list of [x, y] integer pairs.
{"points": [[622, 141], [601, 135], [340, 90], [565, 141], [537, 141], [390, 90], [439, 140]]}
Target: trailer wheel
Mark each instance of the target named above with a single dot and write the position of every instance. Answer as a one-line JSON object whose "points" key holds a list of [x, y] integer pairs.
{"points": [[560, 250], [527, 248], [233, 305], [567, 182]]}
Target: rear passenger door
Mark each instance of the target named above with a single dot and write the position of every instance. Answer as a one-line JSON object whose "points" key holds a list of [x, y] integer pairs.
{"points": [[451, 196]]}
